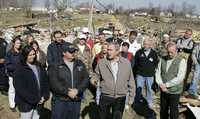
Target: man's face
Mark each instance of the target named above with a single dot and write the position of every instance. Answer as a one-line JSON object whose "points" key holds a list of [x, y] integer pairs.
{"points": [[172, 51], [58, 37], [165, 40], [188, 34], [82, 41], [69, 56], [115, 34], [102, 38], [132, 38], [104, 49], [147, 44], [112, 52], [124, 48], [29, 39]]}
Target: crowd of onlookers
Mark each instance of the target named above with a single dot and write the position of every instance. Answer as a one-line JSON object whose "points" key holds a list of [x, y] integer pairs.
{"points": [[114, 69]]}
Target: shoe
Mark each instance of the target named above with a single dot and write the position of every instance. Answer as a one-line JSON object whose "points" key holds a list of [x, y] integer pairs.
{"points": [[192, 96], [13, 109]]}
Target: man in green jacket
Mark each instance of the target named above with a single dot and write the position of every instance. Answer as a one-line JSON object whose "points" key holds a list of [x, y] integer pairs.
{"points": [[169, 76]]}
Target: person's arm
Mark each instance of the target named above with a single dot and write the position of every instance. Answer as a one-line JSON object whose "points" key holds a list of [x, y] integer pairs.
{"points": [[49, 55], [131, 85], [194, 55], [181, 75], [10, 66], [158, 74]]}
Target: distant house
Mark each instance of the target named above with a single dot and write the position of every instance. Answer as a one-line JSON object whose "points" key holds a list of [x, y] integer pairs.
{"points": [[141, 14], [166, 14], [36, 9], [162, 14], [188, 16], [110, 11]]}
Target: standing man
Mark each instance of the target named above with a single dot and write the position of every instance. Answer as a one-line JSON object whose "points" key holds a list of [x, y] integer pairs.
{"points": [[84, 53], [196, 76], [146, 61], [115, 38], [132, 40], [68, 80], [54, 51], [185, 46], [161, 48], [169, 76], [116, 80]]}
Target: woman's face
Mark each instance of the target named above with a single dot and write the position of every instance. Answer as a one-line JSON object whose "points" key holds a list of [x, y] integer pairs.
{"points": [[35, 47], [17, 44], [31, 57]]}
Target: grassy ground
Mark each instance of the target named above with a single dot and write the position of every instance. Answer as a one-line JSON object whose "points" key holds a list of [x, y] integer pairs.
{"points": [[89, 110]]}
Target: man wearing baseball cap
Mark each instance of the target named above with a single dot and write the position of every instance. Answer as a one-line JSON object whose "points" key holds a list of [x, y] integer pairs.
{"points": [[68, 80]]}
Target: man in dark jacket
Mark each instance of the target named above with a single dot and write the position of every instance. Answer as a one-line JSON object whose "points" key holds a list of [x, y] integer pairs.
{"points": [[68, 80], [146, 61], [115, 38], [3, 79], [54, 51]]}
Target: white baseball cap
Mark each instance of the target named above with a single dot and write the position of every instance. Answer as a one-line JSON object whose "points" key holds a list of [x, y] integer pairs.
{"points": [[82, 36], [85, 30]]}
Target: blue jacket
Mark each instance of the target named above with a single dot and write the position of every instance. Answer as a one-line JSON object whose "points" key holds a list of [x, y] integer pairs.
{"points": [[11, 61], [28, 92], [54, 52]]}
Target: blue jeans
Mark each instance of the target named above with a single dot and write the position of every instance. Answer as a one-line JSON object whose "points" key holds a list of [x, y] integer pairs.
{"points": [[195, 80], [148, 81], [65, 109]]}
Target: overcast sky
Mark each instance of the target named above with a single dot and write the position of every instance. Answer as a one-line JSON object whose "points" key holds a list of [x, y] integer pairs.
{"points": [[137, 3]]}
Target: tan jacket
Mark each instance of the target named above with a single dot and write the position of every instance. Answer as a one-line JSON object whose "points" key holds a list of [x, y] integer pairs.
{"points": [[124, 84]]}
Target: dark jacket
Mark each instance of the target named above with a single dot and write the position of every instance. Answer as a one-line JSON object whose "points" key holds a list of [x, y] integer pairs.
{"points": [[112, 39], [3, 46], [28, 93], [12, 58], [54, 52], [60, 79], [146, 65]]}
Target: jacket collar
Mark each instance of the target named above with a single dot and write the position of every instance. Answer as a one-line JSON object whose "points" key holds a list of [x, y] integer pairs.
{"points": [[76, 62], [107, 63]]}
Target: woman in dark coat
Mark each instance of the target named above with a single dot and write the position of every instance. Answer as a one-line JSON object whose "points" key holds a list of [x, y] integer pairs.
{"points": [[31, 84], [12, 58]]}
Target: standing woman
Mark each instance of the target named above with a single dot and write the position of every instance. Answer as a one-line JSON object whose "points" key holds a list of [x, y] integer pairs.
{"points": [[12, 58], [31, 84], [41, 56]]}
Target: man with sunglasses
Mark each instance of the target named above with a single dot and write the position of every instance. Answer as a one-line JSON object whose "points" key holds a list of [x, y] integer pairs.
{"points": [[68, 80]]}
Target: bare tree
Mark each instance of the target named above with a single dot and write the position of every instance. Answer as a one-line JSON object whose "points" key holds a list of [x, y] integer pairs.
{"points": [[150, 5], [47, 4], [61, 4], [191, 9]]}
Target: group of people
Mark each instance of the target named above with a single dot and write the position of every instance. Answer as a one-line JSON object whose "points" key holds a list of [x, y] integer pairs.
{"points": [[114, 70]]}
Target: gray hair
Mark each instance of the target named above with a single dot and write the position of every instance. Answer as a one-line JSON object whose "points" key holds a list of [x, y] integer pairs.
{"points": [[171, 44], [116, 44]]}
